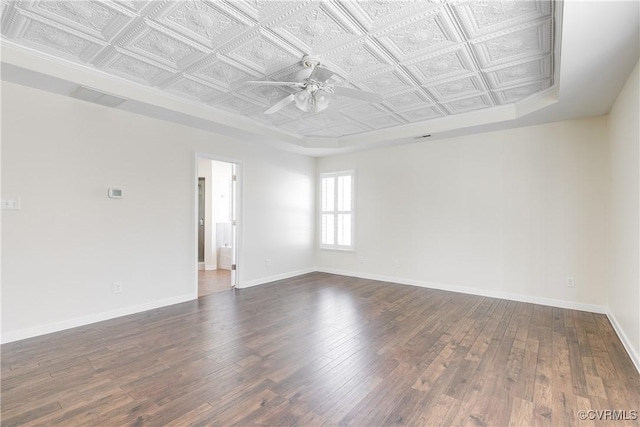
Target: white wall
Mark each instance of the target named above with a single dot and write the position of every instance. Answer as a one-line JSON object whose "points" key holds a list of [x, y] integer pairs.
{"points": [[510, 213], [624, 289], [64, 249], [221, 191]]}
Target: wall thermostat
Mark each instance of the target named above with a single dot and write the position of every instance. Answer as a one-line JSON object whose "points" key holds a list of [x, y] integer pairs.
{"points": [[115, 193]]}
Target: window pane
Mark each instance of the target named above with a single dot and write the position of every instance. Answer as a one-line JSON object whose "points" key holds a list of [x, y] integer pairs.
{"points": [[328, 229], [328, 194], [344, 229], [344, 193]]}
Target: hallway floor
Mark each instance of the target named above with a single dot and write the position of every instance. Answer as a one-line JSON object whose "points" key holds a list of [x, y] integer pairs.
{"points": [[212, 281]]}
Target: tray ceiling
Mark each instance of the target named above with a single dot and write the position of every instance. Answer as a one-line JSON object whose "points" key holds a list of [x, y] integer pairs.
{"points": [[428, 59]]}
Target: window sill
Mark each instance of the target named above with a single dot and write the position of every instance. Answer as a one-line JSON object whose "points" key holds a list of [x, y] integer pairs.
{"points": [[325, 248]]}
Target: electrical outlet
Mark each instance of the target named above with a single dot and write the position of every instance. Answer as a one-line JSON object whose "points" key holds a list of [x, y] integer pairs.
{"points": [[361, 259], [267, 262], [571, 282], [396, 263], [117, 287]]}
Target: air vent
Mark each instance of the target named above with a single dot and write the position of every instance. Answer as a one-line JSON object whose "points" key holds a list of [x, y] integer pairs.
{"points": [[97, 97]]}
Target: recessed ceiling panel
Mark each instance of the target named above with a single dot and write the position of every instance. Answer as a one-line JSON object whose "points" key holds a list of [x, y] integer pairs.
{"points": [[426, 59]]}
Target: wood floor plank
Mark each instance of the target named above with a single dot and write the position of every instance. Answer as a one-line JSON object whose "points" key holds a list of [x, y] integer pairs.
{"points": [[324, 350]]}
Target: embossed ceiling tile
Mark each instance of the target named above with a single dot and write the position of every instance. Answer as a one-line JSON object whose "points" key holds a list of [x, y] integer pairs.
{"points": [[287, 74], [296, 126], [445, 65], [100, 20], [264, 53], [236, 104], [209, 23], [519, 93], [135, 68], [316, 27], [468, 104], [260, 117], [405, 101], [339, 103], [133, 5], [262, 10], [375, 14], [357, 58], [193, 89], [386, 82], [326, 119], [458, 88], [165, 47], [41, 34], [421, 114], [283, 116], [266, 94], [222, 73], [364, 111], [349, 129], [485, 16], [383, 122], [519, 72], [419, 35], [517, 43]]}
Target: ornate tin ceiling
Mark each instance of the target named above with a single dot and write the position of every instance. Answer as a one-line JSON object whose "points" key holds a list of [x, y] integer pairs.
{"points": [[428, 59]]}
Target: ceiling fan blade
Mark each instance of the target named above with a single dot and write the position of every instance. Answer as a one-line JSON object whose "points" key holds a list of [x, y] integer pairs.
{"points": [[280, 104], [357, 94], [321, 74], [236, 85]]}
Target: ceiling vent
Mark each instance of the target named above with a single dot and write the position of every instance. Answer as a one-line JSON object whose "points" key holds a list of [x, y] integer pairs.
{"points": [[97, 97]]}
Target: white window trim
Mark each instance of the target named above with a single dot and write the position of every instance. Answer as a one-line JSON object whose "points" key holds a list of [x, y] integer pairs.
{"points": [[336, 246]]}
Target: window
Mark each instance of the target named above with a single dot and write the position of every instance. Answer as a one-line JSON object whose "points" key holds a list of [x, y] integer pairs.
{"points": [[336, 210]]}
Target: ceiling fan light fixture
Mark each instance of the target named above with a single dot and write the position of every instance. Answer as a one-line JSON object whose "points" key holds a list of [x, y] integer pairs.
{"points": [[321, 100], [303, 100]]}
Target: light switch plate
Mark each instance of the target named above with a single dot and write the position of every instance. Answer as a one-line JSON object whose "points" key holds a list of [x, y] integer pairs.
{"points": [[11, 204]]}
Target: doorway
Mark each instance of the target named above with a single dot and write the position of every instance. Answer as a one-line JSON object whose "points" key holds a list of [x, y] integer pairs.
{"points": [[217, 208]]}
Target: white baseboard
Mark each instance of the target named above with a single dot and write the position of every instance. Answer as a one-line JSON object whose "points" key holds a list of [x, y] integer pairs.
{"points": [[209, 267], [98, 317], [282, 276], [93, 318], [201, 266], [632, 352], [473, 291]]}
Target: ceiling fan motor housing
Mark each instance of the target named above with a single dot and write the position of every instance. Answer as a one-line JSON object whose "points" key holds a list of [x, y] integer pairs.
{"points": [[309, 61]]}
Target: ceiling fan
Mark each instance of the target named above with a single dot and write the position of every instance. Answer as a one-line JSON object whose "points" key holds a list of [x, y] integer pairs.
{"points": [[316, 90]]}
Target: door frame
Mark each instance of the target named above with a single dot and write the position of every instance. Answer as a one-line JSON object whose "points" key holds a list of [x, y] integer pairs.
{"points": [[237, 250]]}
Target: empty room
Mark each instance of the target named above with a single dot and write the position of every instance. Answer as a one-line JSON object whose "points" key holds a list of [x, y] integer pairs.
{"points": [[320, 212]]}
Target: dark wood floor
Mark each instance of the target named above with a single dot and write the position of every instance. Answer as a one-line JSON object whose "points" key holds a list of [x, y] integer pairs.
{"points": [[324, 350], [212, 281]]}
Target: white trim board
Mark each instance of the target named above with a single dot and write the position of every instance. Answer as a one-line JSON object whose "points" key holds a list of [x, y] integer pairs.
{"points": [[633, 354], [592, 308], [269, 279], [600, 309], [92, 318]]}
